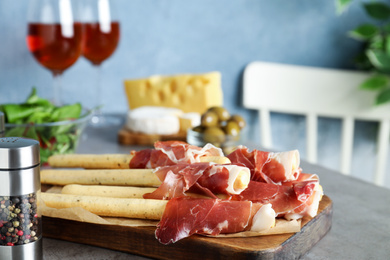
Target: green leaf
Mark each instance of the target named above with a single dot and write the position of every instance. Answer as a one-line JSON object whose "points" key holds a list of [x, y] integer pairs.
{"points": [[342, 5], [34, 99], [383, 97], [15, 112], [16, 131], [379, 59], [387, 48], [39, 117], [386, 28], [378, 10], [67, 112], [364, 32], [375, 82], [39, 110], [377, 42], [362, 62]]}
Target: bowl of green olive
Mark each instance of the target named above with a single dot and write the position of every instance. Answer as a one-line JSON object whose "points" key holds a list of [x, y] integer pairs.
{"points": [[219, 128]]}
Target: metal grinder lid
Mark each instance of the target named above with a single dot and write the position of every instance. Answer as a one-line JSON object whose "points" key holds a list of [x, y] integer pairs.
{"points": [[18, 153]]}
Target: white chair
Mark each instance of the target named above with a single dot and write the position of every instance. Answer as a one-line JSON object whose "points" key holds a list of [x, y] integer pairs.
{"points": [[313, 92]]}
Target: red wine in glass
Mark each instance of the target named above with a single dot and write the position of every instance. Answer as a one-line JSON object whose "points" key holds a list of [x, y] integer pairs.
{"points": [[54, 37], [100, 39], [52, 47], [99, 42]]}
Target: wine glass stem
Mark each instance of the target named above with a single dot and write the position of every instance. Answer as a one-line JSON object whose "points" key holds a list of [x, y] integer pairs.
{"points": [[57, 84], [98, 90]]}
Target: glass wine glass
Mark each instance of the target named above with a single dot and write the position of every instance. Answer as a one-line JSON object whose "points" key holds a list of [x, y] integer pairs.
{"points": [[100, 39], [54, 37]]}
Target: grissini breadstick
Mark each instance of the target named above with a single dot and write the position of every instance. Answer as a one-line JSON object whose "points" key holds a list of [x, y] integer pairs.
{"points": [[117, 191], [108, 161], [262, 223], [133, 177], [109, 207], [91, 161], [239, 177], [106, 191]]}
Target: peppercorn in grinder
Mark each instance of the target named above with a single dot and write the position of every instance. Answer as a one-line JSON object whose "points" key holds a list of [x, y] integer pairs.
{"points": [[20, 220]]}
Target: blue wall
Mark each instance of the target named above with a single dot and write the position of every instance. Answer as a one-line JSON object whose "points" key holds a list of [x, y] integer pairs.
{"points": [[175, 36], [180, 36]]}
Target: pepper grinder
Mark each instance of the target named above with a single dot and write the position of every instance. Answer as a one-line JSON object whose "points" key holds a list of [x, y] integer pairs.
{"points": [[2, 126], [20, 219]]}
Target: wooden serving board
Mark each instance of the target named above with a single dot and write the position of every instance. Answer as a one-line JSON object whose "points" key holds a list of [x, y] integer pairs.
{"points": [[127, 137], [141, 240]]}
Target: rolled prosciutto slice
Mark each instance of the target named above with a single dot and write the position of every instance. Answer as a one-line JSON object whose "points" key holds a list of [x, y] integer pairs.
{"points": [[292, 202], [184, 217], [167, 153], [268, 166], [206, 178]]}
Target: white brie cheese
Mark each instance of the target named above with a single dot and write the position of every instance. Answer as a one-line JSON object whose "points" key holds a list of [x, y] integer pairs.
{"points": [[154, 120], [193, 117]]}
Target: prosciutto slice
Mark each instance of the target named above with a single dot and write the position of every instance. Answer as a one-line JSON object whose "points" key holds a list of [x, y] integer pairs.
{"points": [[293, 202], [206, 178], [268, 166], [167, 153], [184, 217]]}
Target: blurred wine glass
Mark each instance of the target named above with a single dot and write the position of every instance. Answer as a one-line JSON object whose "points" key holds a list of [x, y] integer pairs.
{"points": [[54, 37], [100, 39]]}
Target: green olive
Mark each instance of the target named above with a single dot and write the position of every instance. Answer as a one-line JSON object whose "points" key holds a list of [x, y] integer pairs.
{"points": [[214, 135], [209, 119], [198, 129], [232, 128], [239, 119], [221, 112]]}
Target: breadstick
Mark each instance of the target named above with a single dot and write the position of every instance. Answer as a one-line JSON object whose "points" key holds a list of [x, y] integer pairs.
{"points": [[106, 191], [118, 191], [91, 161], [109, 207], [238, 179], [108, 161], [134, 177]]}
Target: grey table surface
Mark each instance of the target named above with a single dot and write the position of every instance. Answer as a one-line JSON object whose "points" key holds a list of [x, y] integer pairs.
{"points": [[360, 223]]}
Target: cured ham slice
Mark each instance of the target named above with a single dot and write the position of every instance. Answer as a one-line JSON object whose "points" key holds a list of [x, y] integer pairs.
{"points": [[184, 217], [293, 202], [141, 159], [167, 153], [206, 178], [268, 166], [310, 207]]}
